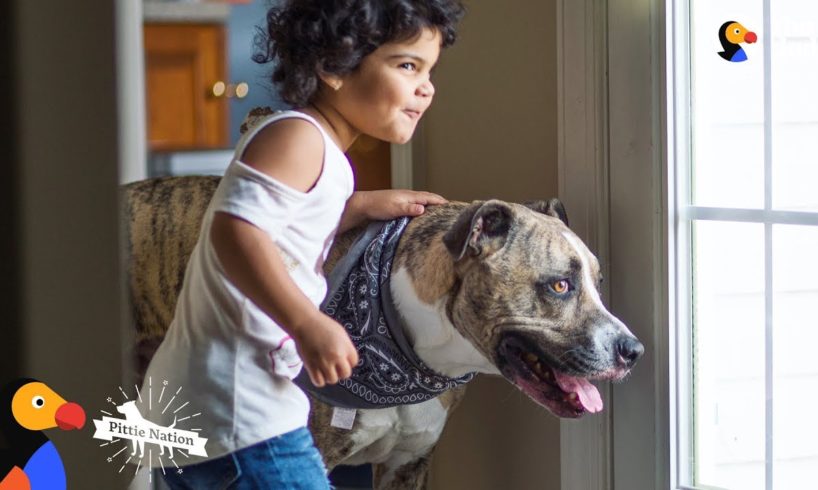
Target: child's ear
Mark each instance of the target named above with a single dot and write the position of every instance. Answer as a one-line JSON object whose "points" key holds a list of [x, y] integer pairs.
{"points": [[333, 81]]}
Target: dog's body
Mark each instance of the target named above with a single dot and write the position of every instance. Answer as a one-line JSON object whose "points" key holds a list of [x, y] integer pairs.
{"points": [[489, 287], [132, 414]]}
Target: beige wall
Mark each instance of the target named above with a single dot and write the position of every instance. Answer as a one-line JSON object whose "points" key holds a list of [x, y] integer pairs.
{"points": [[65, 242], [492, 133]]}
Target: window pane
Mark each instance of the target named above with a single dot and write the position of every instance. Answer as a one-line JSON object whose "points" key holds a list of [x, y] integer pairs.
{"points": [[795, 372], [795, 107], [728, 108], [728, 355]]}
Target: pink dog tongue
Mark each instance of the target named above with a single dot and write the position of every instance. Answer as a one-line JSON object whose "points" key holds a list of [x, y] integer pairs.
{"points": [[588, 394]]}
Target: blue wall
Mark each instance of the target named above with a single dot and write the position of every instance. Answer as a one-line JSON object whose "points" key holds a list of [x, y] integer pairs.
{"points": [[244, 18]]}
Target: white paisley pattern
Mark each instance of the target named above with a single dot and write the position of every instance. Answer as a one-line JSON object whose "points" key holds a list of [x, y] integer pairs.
{"points": [[388, 373]]}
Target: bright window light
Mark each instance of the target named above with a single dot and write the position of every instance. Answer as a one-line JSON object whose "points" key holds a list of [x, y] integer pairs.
{"points": [[748, 213]]}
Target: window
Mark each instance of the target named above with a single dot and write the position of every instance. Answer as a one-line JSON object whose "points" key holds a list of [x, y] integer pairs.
{"points": [[701, 177], [746, 156]]}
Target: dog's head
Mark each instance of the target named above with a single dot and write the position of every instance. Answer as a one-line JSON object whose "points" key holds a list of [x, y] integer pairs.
{"points": [[529, 290], [127, 408]]}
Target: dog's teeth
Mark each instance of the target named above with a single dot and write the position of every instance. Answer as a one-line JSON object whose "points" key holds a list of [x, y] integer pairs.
{"points": [[573, 397], [529, 357]]}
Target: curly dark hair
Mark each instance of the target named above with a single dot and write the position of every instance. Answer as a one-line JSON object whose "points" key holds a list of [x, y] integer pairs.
{"points": [[308, 37]]}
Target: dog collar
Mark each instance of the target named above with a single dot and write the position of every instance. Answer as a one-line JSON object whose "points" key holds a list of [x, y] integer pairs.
{"points": [[389, 372]]}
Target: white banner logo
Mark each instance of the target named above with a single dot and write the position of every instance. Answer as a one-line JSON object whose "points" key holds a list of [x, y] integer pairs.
{"points": [[134, 431], [147, 432]]}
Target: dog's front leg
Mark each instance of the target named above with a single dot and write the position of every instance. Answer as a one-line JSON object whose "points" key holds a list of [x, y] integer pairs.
{"points": [[408, 476], [134, 447]]}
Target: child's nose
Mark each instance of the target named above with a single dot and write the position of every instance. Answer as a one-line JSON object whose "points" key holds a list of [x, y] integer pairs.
{"points": [[426, 89]]}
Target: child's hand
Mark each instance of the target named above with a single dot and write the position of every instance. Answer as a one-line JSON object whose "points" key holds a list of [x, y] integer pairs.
{"points": [[326, 350], [394, 203], [385, 205]]}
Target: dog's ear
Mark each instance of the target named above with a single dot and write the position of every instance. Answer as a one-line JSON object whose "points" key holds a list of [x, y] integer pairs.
{"points": [[552, 207], [480, 230], [253, 117]]}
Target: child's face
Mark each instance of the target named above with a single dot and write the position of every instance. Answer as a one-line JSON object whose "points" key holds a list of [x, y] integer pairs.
{"points": [[386, 96]]}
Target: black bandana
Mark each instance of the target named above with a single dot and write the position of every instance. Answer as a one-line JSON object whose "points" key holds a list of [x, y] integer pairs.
{"points": [[389, 373]]}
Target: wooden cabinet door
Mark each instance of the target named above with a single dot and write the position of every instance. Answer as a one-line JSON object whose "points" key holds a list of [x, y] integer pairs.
{"points": [[182, 62], [371, 162]]}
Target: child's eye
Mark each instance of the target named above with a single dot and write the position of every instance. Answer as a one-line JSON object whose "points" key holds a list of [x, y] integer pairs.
{"points": [[409, 66]]}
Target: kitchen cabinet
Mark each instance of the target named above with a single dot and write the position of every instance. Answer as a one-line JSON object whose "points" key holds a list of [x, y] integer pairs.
{"points": [[184, 63], [192, 49], [371, 162]]}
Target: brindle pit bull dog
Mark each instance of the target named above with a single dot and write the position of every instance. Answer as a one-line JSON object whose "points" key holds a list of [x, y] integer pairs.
{"points": [[490, 287]]}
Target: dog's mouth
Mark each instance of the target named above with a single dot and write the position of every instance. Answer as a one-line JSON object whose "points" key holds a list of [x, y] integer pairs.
{"points": [[565, 395]]}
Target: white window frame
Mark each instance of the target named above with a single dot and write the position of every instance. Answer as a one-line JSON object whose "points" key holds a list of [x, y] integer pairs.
{"points": [[613, 141], [687, 214], [617, 138]]}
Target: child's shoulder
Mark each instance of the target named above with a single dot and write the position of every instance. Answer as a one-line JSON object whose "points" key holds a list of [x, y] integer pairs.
{"points": [[290, 149]]}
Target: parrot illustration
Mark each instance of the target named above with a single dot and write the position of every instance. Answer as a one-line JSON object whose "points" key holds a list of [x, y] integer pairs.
{"points": [[731, 34], [28, 459]]}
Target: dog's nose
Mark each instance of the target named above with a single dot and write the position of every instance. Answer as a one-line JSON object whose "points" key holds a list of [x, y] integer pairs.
{"points": [[629, 350]]}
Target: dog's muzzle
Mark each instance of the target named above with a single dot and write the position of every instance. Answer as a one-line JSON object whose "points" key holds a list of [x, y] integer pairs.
{"points": [[563, 386], [628, 350]]}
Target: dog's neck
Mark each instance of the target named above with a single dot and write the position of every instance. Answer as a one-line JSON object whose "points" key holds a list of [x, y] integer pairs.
{"points": [[434, 338]]}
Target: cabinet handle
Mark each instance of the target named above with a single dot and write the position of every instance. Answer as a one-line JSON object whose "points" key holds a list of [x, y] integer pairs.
{"points": [[230, 90], [242, 89], [219, 89]]}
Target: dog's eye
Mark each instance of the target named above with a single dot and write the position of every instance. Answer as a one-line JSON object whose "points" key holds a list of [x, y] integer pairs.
{"points": [[37, 402], [560, 286]]}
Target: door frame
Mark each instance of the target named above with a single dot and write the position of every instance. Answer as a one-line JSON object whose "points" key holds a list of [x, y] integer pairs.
{"points": [[612, 100]]}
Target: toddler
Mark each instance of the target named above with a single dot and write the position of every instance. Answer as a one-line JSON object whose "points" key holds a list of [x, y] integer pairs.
{"points": [[247, 316]]}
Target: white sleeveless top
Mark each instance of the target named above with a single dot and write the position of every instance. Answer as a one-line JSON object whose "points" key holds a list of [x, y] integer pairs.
{"points": [[233, 362]]}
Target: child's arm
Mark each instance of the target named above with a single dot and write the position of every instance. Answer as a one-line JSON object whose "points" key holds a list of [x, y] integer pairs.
{"points": [[292, 152], [252, 263], [385, 205]]}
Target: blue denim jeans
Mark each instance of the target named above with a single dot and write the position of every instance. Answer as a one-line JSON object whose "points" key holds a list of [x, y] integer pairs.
{"points": [[286, 462]]}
